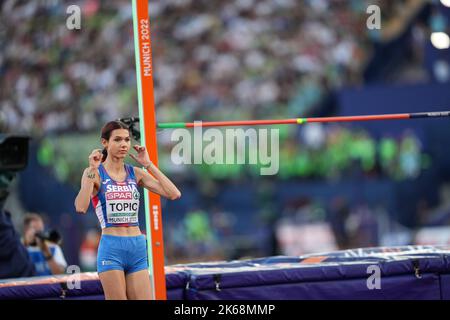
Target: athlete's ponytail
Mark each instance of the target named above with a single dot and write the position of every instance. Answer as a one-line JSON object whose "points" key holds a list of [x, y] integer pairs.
{"points": [[106, 133], [104, 154]]}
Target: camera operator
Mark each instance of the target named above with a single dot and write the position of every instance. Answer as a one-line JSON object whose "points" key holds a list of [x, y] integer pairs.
{"points": [[43, 247], [14, 259]]}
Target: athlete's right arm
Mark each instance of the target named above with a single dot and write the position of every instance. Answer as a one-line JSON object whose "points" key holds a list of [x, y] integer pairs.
{"points": [[89, 180]]}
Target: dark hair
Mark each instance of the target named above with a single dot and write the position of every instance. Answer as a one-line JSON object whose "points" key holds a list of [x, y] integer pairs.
{"points": [[106, 133]]}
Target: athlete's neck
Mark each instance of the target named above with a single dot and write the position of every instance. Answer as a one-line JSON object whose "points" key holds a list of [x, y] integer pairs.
{"points": [[114, 165]]}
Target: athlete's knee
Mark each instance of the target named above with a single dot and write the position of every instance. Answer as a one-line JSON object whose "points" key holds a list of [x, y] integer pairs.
{"points": [[114, 294]]}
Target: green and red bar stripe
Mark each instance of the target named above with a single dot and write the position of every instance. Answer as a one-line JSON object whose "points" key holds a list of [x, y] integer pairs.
{"points": [[239, 123]]}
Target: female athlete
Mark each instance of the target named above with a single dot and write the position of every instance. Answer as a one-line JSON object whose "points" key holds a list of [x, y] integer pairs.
{"points": [[111, 185]]}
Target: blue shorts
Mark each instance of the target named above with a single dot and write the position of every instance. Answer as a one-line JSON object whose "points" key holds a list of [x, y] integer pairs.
{"points": [[128, 254]]}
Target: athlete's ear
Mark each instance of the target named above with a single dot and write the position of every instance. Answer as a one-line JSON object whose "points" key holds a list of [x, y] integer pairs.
{"points": [[105, 143]]}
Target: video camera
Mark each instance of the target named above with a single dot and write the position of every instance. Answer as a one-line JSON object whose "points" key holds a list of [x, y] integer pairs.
{"points": [[13, 158], [14, 259], [131, 122], [13, 152], [51, 236]]}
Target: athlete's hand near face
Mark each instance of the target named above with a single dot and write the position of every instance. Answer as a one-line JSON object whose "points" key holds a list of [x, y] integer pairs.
{"points": [[153, 180], [142, 156], [95, 158]]}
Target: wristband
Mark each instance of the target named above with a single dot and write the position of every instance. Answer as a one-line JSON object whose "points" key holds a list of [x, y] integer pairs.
{"points": [[146, 167], [49, 257]]}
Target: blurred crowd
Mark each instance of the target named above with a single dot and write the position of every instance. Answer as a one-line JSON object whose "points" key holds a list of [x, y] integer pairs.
{"points": [[305, 224], [219, 60], [335, 153], [55, 79], [213, 59], [331, 152]]}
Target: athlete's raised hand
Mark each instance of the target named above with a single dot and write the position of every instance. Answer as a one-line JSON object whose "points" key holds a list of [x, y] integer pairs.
{"points": [[95, 158], [142, 156]]}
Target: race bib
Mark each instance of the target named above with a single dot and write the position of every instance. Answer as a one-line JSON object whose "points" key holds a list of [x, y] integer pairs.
{"points": [[122, 204]]}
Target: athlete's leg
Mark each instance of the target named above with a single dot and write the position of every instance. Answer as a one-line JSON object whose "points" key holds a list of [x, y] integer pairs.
{"points": [[139, 286], [114, 285], [110, 270], [137, 277]]}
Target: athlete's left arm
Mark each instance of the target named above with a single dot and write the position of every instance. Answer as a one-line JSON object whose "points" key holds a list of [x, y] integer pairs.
{"points": [[156, 182]]}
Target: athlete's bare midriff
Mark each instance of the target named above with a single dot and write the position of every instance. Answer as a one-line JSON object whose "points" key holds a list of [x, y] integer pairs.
{"points": [[122, 231]]}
